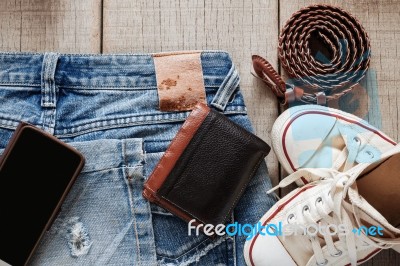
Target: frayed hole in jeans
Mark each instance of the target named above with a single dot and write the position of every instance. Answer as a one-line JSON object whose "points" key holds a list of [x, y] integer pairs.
{"points": [[78, 240]]}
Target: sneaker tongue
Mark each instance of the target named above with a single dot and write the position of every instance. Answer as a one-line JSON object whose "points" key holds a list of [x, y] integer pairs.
{"points": [[316, 144]]}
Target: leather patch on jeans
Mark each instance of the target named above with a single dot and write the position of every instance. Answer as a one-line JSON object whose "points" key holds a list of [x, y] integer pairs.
{"points": [[180, 82]]}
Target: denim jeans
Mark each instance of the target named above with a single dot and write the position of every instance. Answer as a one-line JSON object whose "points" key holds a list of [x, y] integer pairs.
{"points": [[106, 106]]}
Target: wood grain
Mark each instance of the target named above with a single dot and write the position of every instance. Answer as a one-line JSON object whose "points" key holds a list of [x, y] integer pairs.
{"points": [[58, 25], [10, 26], [239, 27], [381, 19]]}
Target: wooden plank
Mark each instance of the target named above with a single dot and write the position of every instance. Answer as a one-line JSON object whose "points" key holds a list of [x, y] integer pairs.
{"points": [[10, 25], [381, 20], [239, 27], [58, 25]]}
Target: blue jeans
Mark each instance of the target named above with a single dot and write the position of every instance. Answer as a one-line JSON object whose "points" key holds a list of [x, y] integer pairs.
{"points": [[107, 107]]}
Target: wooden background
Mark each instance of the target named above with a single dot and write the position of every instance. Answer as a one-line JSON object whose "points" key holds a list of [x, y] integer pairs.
{"points": [[238, 26]]}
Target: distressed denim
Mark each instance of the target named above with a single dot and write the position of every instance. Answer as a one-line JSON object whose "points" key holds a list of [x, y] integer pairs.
{"points": [[106, 106]]}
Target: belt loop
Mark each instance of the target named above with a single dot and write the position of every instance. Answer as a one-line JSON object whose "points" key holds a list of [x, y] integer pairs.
{"points": [[47, 80], [227, 88]]}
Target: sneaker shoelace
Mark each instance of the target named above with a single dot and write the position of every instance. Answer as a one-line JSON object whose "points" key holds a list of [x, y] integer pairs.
{"points": [[343, 209], [348, 156]]}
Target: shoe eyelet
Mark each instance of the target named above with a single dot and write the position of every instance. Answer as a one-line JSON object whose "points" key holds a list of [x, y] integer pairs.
{"points": [[318, 200], [306, 208], [290, 218], [338, 253], [370, 154], [322, 264], [357, 140]]}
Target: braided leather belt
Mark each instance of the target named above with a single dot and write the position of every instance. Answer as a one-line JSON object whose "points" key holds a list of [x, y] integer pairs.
{"points": [[324, 50]]}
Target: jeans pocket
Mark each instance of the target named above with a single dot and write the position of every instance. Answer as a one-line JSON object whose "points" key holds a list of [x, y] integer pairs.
{"points": [[95, 225], [173, 240]]}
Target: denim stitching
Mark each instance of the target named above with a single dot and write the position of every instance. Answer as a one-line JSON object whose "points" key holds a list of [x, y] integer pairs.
{"points": [[230, 87], [113, 123], [20, 83], [227, 88], [122, 149], [234, 244], [7, 122], [91, 127], [48, 86], [48, 120], [93, 87]]}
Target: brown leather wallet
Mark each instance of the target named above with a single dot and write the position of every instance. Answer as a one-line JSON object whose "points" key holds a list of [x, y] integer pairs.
{"points": [[206, 168]]}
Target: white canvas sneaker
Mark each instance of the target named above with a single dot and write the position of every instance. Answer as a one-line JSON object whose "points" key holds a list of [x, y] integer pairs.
{"points": [[344, 218], [313, 136]]}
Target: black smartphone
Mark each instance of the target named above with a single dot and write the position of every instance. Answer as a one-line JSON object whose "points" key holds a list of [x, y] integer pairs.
{"points": [[36, 172]]}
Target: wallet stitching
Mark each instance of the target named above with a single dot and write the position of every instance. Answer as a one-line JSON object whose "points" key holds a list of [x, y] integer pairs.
{"points": [[191, 159], [245, 185], [147, 187]]}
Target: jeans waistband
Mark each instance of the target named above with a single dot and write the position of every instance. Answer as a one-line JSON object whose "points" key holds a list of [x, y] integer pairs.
{"points": [[100, 71], [72, 93]]}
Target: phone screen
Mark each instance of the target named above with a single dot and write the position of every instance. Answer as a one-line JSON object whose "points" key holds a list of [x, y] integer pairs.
{"points": [[34, 177]]}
